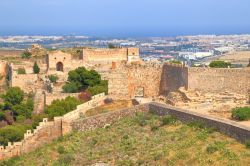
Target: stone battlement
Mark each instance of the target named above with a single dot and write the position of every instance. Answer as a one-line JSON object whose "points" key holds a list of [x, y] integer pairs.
{"points": [[47, 131]]}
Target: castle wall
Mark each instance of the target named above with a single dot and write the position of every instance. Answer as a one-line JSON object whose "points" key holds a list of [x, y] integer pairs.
{"points": [[173, 77], [219, 80], [47, 131], [131, 80], [57, 57], [25, 81], [104, 55], [50, 97]]}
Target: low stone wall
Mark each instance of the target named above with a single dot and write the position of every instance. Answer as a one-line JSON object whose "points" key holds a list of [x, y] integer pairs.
{"points": [[94, 122], [47, 131], [228, 127]]}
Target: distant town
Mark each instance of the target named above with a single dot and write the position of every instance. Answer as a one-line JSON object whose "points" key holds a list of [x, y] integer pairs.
{"points": [[191, 50]]}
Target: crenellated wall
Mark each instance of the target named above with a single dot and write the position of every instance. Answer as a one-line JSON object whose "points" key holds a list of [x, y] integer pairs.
{"points": [[49, 130]]}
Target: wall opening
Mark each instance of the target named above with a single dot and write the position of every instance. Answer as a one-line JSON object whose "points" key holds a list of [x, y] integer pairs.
{"points": [[59, 66], [139, 92]]}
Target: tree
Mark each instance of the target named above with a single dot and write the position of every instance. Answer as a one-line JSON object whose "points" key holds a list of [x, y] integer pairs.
{"points": [[220, 64], [53, 78], [36, 68], [82, 79], [111, 46], [24, 109], [61, 107], [13, 96], [26, 55]]}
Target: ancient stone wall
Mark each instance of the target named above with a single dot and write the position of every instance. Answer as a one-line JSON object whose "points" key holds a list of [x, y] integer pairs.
{"points": [[97, 121], [228, 127], [173, 77], [59, 60], [104, 55], [219, 80], [135, 80], [49, 130], [25, 81], [50, 97]]}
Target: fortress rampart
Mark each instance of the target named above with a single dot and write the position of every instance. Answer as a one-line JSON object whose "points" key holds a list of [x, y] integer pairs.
{"points": [[218, 80], [131, 80], [48, 130], [155, 80], [104, 55]]}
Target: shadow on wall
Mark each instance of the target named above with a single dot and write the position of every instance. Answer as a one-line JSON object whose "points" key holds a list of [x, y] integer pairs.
{"points": [[173, 77]]}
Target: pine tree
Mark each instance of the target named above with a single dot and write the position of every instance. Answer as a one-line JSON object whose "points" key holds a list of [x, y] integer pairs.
{"points": [[36, 68]]}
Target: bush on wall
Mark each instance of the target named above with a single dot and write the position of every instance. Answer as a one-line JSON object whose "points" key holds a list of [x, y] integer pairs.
{"points": [[241, 114]]}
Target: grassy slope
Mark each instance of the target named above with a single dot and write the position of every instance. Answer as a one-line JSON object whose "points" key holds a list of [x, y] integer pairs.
{"points": [[129, 143]]}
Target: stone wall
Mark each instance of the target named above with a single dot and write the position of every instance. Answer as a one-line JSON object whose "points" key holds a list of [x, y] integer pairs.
{"points": [[173, 77], [125, 81], [48, 131], [50, 97], [26, 82], [102, 120], [218, 80], [228, 127], [104, 55], [54, 58]]}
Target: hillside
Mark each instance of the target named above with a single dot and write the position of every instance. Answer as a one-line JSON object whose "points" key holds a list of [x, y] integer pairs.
{"points": [[145, 139], [241, 57]]}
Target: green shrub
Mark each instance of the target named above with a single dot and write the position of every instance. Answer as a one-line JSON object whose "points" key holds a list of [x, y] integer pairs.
{"points": [[168, 119], [154, 127], [219, 64], [81, 79], [247, 144], [25, 108], [61, 107], [61, 150], [20, 118], [141, 119], [21, 71], [241, 114], [216, 146], [13, 96], [53, 78], [12, 133], [36, 68], [2, 116], [38, 118], [26, 55], [65, 159], [175, 62], [197, 124], [71, 87]]}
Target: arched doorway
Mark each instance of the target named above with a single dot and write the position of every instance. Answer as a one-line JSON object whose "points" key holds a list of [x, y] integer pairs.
{"points": [[59, 66]]}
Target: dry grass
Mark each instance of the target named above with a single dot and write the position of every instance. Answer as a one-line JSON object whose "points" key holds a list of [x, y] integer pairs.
{"points": [[131, 142], [115, 105], [237, 57]]}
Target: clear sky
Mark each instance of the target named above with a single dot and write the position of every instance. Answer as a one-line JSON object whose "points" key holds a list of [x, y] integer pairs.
{"points": [[124, 17]]}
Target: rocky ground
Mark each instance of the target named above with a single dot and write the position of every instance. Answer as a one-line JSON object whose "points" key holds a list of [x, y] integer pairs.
{"points": [[216, 104]]}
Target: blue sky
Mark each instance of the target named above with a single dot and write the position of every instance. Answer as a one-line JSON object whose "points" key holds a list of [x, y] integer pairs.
{"points": [[124, 17]]}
